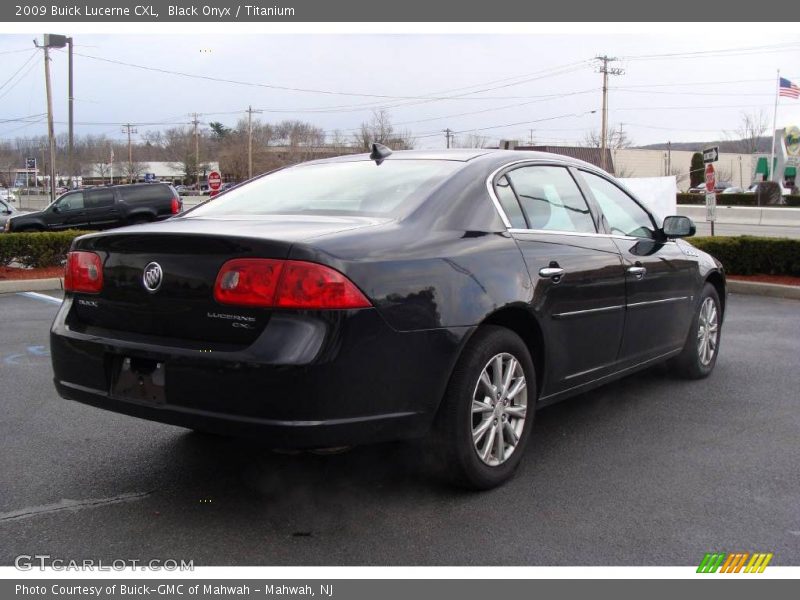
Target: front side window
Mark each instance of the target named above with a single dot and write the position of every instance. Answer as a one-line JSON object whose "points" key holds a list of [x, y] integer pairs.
{"points": [[622, 214], [73, 201], [393, 188], [551, 199]]}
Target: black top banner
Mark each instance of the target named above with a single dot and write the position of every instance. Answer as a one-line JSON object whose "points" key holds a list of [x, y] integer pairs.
{"points": [[710, 12]]}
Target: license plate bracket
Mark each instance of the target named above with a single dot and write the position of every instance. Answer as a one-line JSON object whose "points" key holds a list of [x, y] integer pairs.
{"points": [[139, 380]]}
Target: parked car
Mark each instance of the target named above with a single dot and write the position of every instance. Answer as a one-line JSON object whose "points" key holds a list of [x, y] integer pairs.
{"points": [[370, 298], [7, 195], [7, 211], [733, 190], [719, 188], [102, 208]]}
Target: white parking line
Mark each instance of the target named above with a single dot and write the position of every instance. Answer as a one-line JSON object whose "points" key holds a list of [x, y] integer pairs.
{"points": [[69, 505], [38, 296]]}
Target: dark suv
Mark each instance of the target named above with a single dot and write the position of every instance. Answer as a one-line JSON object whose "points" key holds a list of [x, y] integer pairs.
{"points": [[102, 208]]}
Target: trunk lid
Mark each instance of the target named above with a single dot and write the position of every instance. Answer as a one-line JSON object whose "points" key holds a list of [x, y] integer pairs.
{"points": [[190, 253]]}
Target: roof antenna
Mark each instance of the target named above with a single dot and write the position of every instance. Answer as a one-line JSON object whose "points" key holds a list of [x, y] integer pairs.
{"points": [[379, 152]]}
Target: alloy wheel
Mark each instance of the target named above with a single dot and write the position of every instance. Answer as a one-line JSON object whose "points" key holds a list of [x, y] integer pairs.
{"points": [[707, 332], [499, 407]]}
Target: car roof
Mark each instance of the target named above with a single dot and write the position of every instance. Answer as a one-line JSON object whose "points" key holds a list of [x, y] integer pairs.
{"points": [[475, 155]]}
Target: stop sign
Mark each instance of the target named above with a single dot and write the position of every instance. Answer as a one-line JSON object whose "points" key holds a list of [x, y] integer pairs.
{"points": [[711, 180], [214, 181]]}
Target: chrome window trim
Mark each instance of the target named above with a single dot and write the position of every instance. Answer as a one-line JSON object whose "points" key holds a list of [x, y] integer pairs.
{"points": [[557, 163], [577, 233]]}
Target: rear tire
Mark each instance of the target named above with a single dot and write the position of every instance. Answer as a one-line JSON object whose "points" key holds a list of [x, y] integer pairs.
{"points": [[699, 354], [487, 413], [138, 220]]}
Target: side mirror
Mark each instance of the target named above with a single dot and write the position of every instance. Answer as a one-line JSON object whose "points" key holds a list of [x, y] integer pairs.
{"points": [[677, 226], [56, 209]]}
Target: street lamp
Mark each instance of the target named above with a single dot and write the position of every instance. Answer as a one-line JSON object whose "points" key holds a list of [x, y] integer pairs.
{"points": [[52, 40]]}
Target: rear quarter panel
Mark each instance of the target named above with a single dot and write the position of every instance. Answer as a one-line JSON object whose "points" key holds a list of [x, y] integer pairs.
{"points": [[421, 279]]}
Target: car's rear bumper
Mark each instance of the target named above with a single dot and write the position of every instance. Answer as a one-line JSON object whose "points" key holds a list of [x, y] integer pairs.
{"points": [[305, 382]]}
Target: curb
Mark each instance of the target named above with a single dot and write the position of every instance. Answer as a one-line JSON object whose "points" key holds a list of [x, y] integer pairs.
{"points": [[773, 290], [31, 285]]}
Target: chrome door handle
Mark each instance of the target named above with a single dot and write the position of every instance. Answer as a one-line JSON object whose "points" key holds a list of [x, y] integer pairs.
{"points": [[637, 272], [553, 273]]}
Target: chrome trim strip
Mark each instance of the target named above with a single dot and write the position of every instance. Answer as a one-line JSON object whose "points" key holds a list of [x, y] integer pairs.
{"points": [[588, 311], [662, 301], [576, 233], [611, 375]]}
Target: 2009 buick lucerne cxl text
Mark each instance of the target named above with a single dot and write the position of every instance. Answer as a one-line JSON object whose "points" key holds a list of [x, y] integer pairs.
{"points": [[369, 298]]}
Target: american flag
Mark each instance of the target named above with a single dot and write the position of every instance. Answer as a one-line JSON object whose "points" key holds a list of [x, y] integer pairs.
{"points": [[788, 89]]}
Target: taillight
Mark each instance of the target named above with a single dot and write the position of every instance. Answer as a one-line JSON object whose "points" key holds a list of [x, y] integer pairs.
{"points": [[248, 282], [84, 273], [285, 284], [175, 207]]}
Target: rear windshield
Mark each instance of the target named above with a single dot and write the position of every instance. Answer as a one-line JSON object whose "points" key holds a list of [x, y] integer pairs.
{"points": [[143, 193], [393, 188]]}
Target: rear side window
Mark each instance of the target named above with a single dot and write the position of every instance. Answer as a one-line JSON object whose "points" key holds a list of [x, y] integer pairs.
{"points": [[508, 200], [393, 188], [145, 193], [99, 198], [551, 199]]}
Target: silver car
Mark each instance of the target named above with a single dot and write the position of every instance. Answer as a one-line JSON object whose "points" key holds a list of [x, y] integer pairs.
{"points": [[6, 212]]}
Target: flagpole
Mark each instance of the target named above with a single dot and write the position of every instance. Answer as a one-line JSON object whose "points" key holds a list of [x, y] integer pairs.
{"points": [[774, 127]]}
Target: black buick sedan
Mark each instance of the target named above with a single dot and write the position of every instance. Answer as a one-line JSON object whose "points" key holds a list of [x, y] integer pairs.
{"points": [[385, 296]]}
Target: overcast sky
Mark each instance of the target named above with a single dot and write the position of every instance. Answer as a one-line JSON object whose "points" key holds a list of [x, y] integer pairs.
{"points": [[548, 79]]}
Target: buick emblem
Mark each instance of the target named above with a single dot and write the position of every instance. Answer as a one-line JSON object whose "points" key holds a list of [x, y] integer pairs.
{"points": [[152, 277]]}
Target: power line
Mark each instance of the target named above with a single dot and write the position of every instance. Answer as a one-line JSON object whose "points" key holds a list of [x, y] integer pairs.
{"points": [[15, 51], [717, 51], [298, 89], [27, 72], [22, 66]]}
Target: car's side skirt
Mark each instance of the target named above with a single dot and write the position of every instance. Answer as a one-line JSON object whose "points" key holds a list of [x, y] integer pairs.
{"points": [[585, 387]]}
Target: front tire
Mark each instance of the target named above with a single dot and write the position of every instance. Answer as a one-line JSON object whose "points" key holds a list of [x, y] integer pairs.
{"points": [[487, 413], [700, 352]]}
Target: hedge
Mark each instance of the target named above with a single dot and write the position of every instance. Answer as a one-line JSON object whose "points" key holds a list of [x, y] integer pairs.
{"points": [[45, 249], [751, 255], [743, 255], [735, 200]]}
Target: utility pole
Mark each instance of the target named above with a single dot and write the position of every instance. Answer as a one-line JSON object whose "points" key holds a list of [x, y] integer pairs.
{"points": [[448, 133], [606, 71], [669, 158], [129, 129], [50, 40], [530, 139], [196, 122], [70, 102], [50, 135], [250, 112]]}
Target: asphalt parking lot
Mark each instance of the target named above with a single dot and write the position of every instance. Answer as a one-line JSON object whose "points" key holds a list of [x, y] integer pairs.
{"points": [[649, 470]]}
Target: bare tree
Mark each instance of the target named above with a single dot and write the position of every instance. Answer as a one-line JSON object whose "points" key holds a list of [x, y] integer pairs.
{"points": [[752, 128], [616, 138], [472, 140], [380, 129], [101, 168], [133, 170]]}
